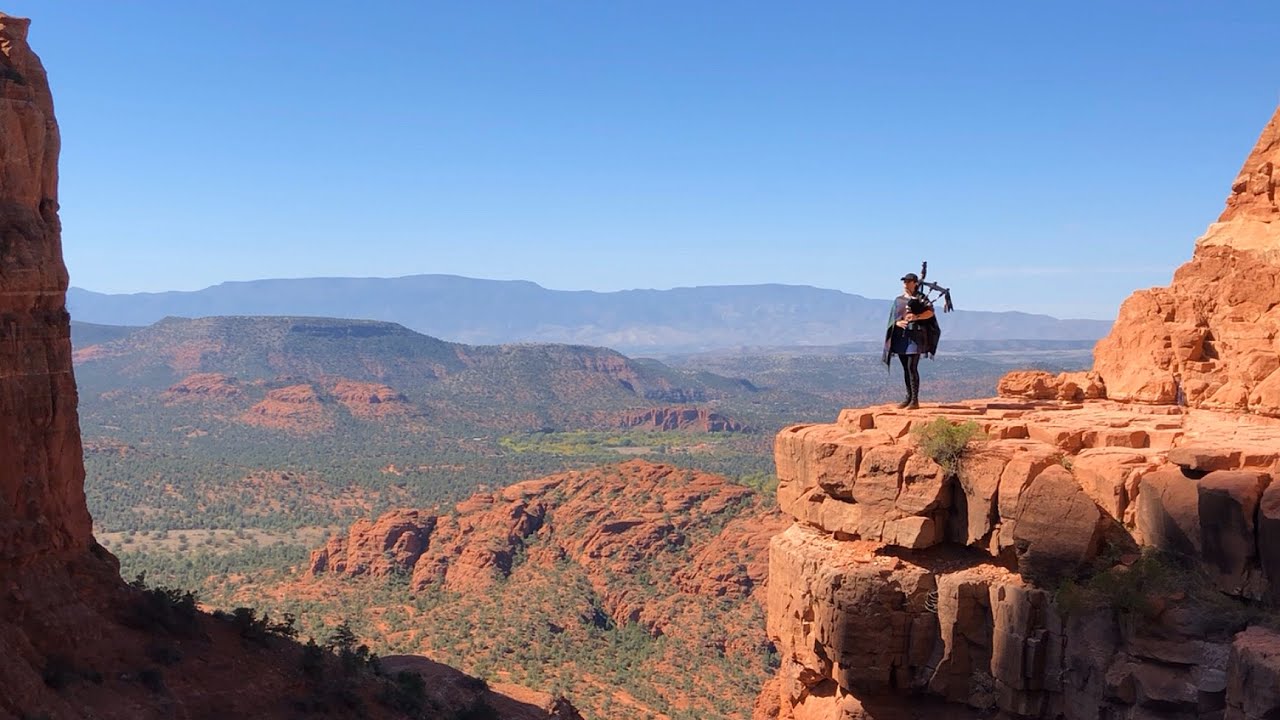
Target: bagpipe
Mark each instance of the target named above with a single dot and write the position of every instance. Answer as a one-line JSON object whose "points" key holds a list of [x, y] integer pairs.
{"points": [[924, 288]]}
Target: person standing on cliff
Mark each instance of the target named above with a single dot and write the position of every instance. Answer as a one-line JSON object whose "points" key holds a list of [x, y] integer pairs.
{"points": [[913, 331]]}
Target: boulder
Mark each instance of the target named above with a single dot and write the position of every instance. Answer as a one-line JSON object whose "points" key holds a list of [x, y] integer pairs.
{"points": [[1228, 504], [1110, 476], [1168, 514], [1030, 384], [1057, 527], [1253, 676], [1269, 539]]}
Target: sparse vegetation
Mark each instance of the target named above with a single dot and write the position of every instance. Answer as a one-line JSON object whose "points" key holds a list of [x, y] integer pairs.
{"points": [[1141, 586], [162, 608], [944, 441], [259, 629]]}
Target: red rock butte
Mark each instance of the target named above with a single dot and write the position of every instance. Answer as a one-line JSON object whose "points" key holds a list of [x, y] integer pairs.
{"points": [[906, 590]]}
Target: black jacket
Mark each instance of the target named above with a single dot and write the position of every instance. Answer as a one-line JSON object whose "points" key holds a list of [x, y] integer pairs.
{"points": [[926, 333]]}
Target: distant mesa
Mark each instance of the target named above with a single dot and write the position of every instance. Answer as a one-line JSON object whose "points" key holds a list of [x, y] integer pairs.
{"points": [[680, 418], [376, 371]]}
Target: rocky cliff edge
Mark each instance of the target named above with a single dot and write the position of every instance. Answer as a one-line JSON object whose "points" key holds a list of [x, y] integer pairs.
{"points": [[1107, 544]]}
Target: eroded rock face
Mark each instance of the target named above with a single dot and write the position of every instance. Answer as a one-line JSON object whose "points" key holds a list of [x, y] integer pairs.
{"points": [[295, 408], [42, 506], [201, 387], [1210, 338], [371, 400], [1253, 688], [386, 546]]}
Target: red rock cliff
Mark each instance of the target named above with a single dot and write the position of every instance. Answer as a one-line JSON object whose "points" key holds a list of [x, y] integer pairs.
{"points": [[43, 515]]}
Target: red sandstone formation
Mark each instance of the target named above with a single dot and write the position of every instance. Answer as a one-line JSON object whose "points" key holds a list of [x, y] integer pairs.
{"points": [[371, 400], [903, 584], [1209, 339], [202, 386], [679, 418], [296, 408], [611, 521]]}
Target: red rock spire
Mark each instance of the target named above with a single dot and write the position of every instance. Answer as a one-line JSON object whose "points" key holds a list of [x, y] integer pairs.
{"points": [[42, 504], [1253, 194]]}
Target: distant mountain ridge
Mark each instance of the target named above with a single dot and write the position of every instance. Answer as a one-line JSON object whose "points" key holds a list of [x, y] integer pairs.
{"points": [[476, 311]]}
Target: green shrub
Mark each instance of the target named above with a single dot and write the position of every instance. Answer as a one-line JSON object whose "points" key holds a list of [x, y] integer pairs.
{"points": [[944, 441]]}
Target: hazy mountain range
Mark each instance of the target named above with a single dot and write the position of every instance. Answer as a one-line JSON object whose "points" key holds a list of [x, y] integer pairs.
{"points": [[477, 311]]}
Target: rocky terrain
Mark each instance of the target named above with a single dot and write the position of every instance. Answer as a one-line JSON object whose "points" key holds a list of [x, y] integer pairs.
{"points": [[78, 641], [1099, 544], [639, 580]]}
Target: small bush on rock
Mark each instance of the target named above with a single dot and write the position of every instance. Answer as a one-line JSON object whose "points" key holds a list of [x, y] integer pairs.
{"points": [[944, 441]]}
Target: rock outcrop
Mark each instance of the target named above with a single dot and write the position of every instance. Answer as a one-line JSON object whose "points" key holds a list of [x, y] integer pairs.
{"points": [[679, 418], [371, 400], [294, 408], [1104, 546], [610, 521], [565, 562], [1209, 340], [200, 387]]}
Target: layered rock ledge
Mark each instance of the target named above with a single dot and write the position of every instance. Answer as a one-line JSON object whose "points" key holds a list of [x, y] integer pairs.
{"points": [[902, 584]]}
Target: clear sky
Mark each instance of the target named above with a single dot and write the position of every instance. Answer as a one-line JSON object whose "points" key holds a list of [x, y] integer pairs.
{"points": [[1042, 156]]}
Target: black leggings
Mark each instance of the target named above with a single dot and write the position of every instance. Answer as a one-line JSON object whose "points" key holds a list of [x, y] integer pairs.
{"points": [[911, 373]]}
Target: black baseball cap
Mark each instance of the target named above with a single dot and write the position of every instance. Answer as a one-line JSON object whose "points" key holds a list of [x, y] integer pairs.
{"points": [[910, 276]]}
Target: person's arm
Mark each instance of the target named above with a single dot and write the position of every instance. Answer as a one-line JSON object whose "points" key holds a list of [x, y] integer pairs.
{"points": [[922, 316]]}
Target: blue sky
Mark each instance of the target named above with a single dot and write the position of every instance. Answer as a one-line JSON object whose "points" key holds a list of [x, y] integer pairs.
{"points": [[1048, 156]]}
